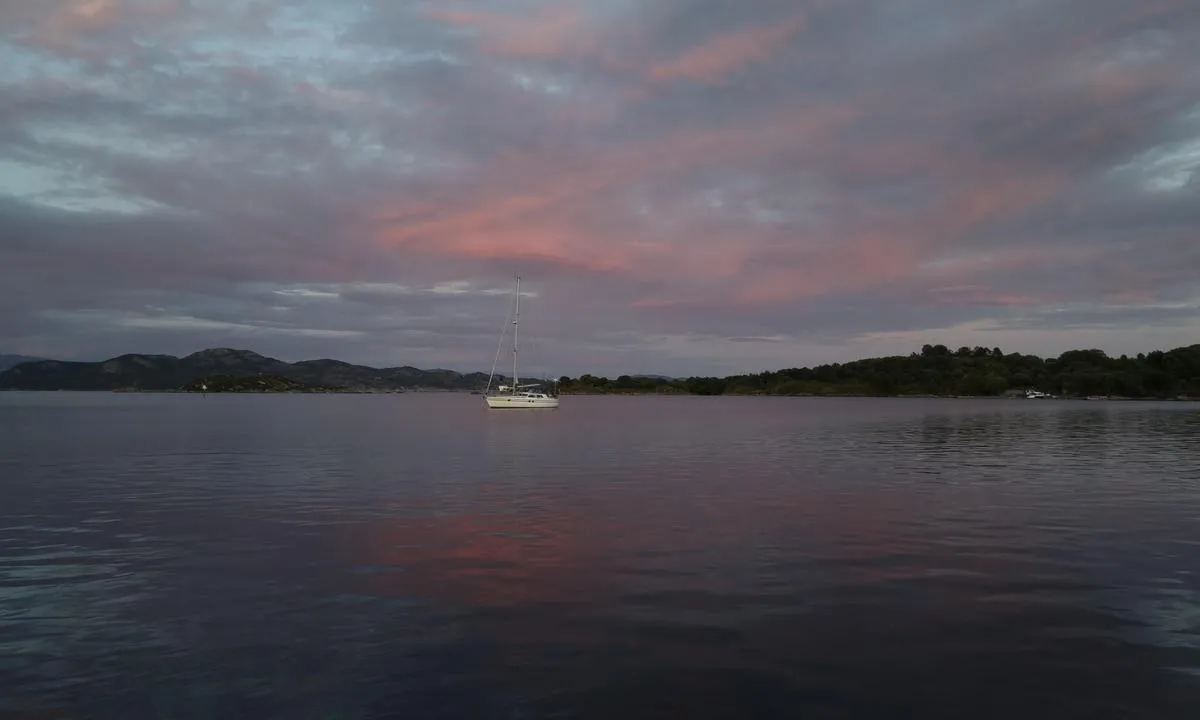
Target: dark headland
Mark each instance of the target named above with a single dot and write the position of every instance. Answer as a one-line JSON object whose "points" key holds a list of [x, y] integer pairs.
{"points": [[934, 371]]}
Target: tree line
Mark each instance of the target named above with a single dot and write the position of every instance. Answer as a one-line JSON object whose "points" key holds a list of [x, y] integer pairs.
{"points": [[938, 370]]}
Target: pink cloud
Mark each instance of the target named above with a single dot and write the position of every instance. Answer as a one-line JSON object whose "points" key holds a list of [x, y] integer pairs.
{"points": [[644, 303], [88, 14], [525, 206], [1131, 297], [530, 206], [984, 295], [552, 31], [723, 55], [82, 16], [65, 26], [894, 246], [330, 96]]}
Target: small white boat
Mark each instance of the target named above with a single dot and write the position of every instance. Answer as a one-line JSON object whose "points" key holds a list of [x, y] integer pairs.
{"points": [[1037, 395], [521, 399], [517, 396]]}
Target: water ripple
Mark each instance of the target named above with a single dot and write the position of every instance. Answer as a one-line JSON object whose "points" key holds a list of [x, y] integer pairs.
{"points": [[418, 556]]}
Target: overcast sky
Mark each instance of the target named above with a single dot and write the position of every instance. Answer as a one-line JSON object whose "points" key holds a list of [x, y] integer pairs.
{"points": [[685, 186]]}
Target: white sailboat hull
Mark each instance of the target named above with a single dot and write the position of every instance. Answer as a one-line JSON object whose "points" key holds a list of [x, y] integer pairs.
{"points": [[519, 402]]}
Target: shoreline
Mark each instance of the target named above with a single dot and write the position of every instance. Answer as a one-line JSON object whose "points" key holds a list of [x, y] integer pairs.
{"points": [[443, 391], [893, 397]]}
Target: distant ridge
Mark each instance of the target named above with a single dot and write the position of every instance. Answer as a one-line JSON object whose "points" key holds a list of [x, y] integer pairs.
{"points": [[934, 371], [166, 372], [8, 361]]}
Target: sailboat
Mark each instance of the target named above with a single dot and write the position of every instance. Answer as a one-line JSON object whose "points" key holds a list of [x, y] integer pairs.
{"points": [[527, 396]]}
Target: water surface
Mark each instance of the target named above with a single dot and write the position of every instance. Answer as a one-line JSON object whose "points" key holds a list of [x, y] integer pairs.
{"points": [[417, 556]]}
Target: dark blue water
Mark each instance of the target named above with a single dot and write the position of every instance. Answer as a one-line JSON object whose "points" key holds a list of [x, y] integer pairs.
{"points": [[418, 556]]}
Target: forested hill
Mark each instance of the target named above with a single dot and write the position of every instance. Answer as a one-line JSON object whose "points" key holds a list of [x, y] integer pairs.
{"points": [[7, 361], [937, 370], [166, 372]]}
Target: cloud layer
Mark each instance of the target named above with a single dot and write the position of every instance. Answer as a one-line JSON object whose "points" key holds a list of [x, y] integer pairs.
{"points": [[691, 188]]}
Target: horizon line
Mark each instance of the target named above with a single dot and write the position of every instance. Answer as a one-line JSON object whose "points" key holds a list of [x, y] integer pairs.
{"points": [[952, 351]]}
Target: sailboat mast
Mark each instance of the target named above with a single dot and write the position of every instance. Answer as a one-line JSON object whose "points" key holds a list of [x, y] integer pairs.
{"points": [[516, 317]]}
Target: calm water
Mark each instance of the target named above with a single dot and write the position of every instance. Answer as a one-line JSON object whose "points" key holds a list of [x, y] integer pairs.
{"points": [[417, 556]]}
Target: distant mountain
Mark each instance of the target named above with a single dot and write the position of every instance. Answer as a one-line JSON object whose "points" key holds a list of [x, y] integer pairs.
{"points": [[7, 361], [167, 372]]}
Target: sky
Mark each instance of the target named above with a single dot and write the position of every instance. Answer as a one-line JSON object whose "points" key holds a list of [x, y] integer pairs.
{"points": [[684, 186]]}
